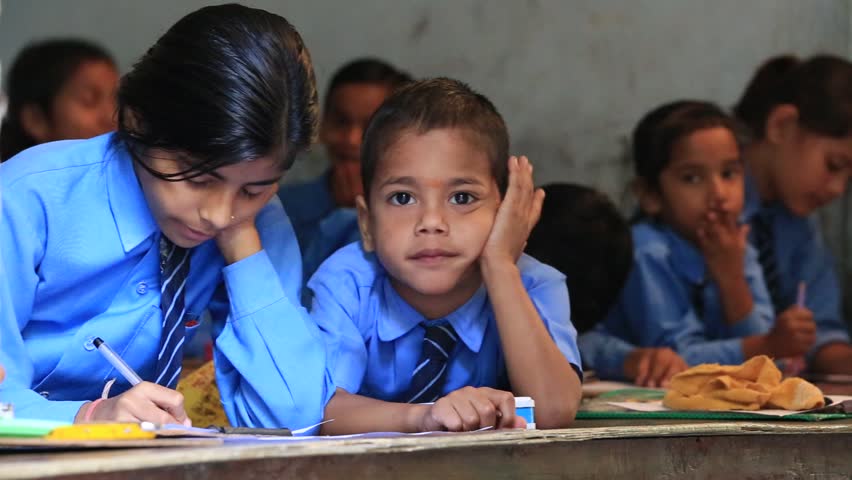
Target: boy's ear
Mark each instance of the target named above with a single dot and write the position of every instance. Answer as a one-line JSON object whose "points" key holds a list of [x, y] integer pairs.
{"points": [[782, 123], [364, 224], [649, 198], [35, 123]]}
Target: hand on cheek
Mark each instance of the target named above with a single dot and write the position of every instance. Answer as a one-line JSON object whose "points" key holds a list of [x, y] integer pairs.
{"points": [[517, 215]]}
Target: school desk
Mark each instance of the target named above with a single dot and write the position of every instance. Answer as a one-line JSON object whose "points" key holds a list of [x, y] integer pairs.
{"points": [[610, 450]]}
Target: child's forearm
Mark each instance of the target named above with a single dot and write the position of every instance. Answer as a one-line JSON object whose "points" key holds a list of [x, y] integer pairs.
{"points": [[358, 414], [834, 358], [535, 365], [735, 296]]}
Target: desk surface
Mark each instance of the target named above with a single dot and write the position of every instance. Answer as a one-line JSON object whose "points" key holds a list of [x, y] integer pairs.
{"points": [[600, 449]]}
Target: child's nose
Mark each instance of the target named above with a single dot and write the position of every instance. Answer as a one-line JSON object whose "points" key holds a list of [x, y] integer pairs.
{"points": [[432, 221]]}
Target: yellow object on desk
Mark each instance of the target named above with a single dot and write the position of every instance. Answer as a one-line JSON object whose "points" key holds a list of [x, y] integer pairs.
{"points": [[753, 385], [101, 431]]}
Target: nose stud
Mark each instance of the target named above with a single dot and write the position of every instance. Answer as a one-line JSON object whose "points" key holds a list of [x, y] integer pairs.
{"points": [[232, 217]]}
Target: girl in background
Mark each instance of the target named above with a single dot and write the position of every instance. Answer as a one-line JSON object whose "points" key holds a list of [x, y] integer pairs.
{"points": [[57, 90]]}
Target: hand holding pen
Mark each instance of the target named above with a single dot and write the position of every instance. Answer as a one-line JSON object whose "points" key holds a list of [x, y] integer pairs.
{"points": [[145, 402], [793, 366]]}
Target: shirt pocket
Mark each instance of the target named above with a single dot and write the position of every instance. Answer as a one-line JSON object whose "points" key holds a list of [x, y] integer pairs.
{"points": [[81, 371]]}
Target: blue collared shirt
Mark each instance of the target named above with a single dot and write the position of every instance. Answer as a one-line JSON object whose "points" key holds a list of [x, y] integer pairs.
{"points": [[657, 307], [372, 337], [81, 260], [321, 226], [802, 256]]}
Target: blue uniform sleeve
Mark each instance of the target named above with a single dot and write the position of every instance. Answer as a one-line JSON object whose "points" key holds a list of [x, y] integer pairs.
{"points": [[550, 296], [270, 362], [22, 239], [335, 311], [604, 353], [656, 310], [815, 266]]}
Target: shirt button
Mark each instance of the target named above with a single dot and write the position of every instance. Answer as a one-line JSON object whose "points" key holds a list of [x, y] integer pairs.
{"points": [[44, 394], [142, 288]]}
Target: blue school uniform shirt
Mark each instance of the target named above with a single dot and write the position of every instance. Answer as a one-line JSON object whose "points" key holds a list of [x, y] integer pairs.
{"points": [[372, 338], [81, 260], [659, 307], [802, 256], [321, 226]]}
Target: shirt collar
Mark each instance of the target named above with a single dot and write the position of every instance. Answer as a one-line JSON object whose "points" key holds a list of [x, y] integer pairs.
{"points": [[127, 202], [399, 318]]}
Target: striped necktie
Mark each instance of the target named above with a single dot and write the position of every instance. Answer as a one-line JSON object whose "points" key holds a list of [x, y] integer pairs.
{"points": [[762, 227], [427, 381], [174, 268]]}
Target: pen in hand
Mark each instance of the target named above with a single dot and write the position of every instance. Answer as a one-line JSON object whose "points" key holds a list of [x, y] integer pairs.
{"points": [[117, 362]]}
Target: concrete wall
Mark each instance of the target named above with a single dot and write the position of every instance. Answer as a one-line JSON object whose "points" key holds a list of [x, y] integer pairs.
{"points": [[570, 76]]}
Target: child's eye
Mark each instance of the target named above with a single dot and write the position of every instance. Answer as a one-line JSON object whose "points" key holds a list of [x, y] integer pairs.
{"points": [[833, 166], [690, 178], [198, 182], [401, 198], [462, 198], [730, 173], [249, 194]]}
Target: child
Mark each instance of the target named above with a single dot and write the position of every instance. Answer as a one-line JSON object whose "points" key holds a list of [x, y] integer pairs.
{"points": [[696, 286], [583, 235], [129, 236], [322, 210], [800, 114], [58, 89], [439, 305]]}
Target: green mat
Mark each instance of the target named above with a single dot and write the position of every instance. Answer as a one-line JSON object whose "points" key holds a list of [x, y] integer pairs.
{"points": [[693, 415], [17, 427], [599, 409]]}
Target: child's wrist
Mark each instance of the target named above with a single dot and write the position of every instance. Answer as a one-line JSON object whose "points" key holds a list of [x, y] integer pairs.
{"points": [[86, 411], [501, 265], [416, 418]]}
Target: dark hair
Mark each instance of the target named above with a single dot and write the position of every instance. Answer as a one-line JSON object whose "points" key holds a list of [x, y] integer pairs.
{"points": [[225, 84], [370, 71], [659, 130], [582, 234], [36, 77], [820, 89], [433, 104]]}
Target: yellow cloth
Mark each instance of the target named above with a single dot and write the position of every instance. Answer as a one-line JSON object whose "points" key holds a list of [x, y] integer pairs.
{"points": [[753, 385], [201, 397]]}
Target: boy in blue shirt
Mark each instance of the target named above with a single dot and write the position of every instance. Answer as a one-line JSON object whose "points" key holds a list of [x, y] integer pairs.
{"points": [[439, 305]]}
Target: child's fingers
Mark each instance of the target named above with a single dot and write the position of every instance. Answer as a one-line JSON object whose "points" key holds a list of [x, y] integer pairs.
{"points": [[519, 422], [535, 209], [467, 413], [658, 368], [672, 369], [442, 415], [505, 402], [642, 369], [488, 414]]}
